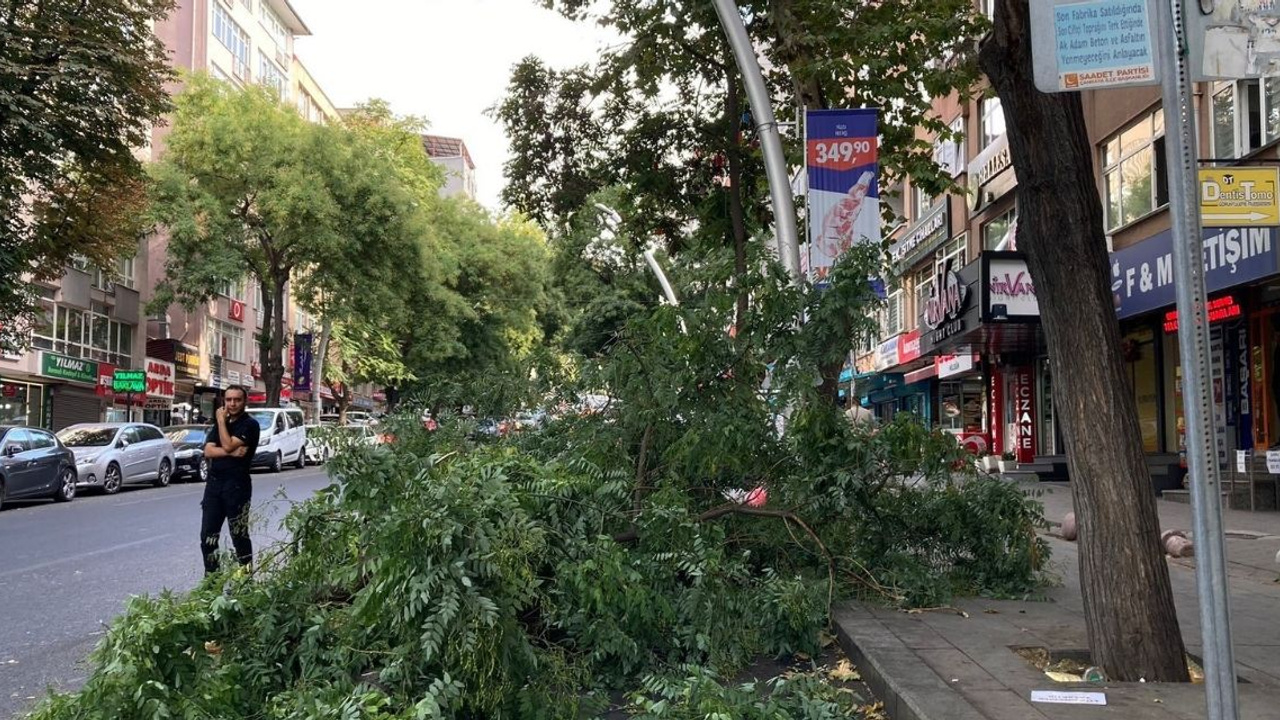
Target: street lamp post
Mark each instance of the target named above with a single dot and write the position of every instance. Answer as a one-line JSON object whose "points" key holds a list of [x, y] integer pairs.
{"points": [[775, 164]]}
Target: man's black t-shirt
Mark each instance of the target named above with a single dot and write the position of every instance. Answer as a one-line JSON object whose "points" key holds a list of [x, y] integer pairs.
{"points": [[231, 468]]}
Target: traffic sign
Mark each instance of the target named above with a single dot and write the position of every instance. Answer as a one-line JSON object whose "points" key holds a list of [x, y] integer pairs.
{"points": [[129, 381], [1239, 196]]}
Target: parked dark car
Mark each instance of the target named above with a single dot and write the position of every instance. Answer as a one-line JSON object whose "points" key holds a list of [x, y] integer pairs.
{"points": [[34, 464], [188, 451]]}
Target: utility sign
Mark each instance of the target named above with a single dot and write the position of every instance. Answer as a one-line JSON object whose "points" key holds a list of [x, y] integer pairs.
{"points": [[1093, 44], [1239, 196]]}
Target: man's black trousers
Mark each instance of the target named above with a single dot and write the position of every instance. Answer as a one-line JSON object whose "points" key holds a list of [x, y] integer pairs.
{"points": [[225, 501]]}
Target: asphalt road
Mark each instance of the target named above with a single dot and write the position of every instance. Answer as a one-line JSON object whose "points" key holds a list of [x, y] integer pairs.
{"points": [[66, 570]]}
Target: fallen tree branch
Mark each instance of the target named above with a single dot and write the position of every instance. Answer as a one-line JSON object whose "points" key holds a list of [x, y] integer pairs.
{"points": [[633, 534]]}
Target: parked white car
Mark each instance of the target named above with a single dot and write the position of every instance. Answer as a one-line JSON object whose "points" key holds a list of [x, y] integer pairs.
{"points": [[282, 438], [111, 455], [326, 441]]}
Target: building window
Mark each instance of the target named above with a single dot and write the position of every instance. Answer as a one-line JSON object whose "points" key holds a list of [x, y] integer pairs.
{"points": [[124, 272], [893, 312], [219, 74], [992, 121], [1133, 162], [274, 27], [1246, 116], [996, 231], [924, 287], [232, 38], [226, 340], [271, 75], [949, 153], [955, 252], [922, 200], [233, 289], [89, 334]]}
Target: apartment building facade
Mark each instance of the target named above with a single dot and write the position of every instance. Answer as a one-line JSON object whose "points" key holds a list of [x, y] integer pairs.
{"points": [[452, 155], [93, 320], [961, 344]]}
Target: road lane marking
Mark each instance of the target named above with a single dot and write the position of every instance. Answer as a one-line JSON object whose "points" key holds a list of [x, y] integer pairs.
{"points": [[82, 556]]}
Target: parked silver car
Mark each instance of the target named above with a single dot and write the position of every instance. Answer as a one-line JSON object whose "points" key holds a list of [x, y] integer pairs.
{"points": [[109, 455]]}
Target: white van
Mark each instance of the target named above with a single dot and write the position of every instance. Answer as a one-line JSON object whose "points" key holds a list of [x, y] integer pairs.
{"points": [[283, 438]]}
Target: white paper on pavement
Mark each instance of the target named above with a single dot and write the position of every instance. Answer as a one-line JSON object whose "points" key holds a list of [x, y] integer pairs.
{"points": [[1068, 698]]}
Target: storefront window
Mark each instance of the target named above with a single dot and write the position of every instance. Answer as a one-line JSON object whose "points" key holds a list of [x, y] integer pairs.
{"points": [[21, 404], [1138, 349]]}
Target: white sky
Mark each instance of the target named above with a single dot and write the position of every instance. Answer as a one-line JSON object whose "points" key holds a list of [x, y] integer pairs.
{"points": [[445, 60]]}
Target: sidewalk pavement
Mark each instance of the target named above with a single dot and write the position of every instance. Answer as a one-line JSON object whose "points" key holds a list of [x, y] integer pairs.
{"points": [[957, 663]]}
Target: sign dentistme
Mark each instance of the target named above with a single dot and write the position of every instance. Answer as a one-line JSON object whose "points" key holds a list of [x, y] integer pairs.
{"points": [[1239, 196], [842, 163]]}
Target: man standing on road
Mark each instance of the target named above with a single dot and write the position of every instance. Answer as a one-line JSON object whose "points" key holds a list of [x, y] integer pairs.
{"points": [[229, 446]]}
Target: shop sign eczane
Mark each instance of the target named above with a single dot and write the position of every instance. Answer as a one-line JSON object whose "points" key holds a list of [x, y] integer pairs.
{"points": [[1142, 274]]}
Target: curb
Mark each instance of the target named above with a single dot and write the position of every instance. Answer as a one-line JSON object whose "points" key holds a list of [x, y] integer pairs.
{"points": [[909, 688]]}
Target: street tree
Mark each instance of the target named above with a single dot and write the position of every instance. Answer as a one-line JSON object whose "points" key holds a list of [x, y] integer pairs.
{"points": [[1129, 611], [662, 115], [248, 188], [80, 92], [390, 255]]}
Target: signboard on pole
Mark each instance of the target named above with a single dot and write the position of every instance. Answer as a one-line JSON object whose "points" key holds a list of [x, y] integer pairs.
{"points": [[842, 159], [1093, 44], [1239, 196], [1233, 39], [129, 381], [302, 362]]}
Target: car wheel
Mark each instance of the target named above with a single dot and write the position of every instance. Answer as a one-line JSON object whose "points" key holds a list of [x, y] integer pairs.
{"points": [[301, 462], [203, 472], [66, 491], [277, 463], [111, 479], [164, 474]]}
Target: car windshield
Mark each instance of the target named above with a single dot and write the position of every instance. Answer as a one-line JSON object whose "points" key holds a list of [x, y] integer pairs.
{"points": [[186, 435], [87, 437], [266, 420]]}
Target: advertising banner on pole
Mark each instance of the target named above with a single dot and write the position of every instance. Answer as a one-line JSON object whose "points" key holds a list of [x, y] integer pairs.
{"points": [[842, 159], [302, 362]]}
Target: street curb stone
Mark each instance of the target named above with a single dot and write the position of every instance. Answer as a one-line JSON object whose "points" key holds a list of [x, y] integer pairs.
{"points": [[908, 687]]}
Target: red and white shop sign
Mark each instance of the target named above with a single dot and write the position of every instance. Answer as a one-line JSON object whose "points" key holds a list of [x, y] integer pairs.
{"points": [[952, 365], [1022, 386], [909, 347], [105, 373], [160, 376], [237, 311]]}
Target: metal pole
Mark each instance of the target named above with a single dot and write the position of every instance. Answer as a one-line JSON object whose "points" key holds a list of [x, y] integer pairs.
{"points": [[662, 277], [775, 164], [1193, 346]]}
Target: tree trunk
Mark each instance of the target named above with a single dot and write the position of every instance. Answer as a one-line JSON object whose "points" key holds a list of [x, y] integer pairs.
{"points": [[271, 348], [737, 223], [317, 375], [1128, 602]]}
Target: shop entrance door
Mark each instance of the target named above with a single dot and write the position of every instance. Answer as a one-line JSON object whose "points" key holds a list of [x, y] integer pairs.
{"points": [[1264, 353]]}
